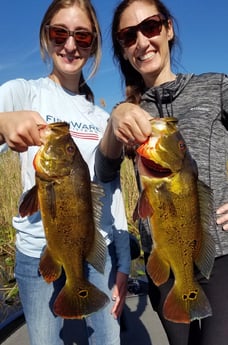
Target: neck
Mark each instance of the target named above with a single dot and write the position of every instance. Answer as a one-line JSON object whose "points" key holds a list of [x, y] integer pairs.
{"points": [[159, 76], [68, 83]]}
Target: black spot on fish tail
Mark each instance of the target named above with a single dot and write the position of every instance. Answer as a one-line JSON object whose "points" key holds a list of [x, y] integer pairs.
{"points": [[79, 301]]}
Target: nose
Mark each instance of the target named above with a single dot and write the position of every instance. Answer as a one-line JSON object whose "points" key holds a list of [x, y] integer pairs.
{"points": [[70, 43], [141, 40]]}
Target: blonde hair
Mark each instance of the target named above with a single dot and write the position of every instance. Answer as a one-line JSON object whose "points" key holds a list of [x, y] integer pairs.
{"points": [[86, 6]]}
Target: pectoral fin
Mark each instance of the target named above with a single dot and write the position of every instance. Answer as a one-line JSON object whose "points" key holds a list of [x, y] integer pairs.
{"points": [[157, 268], [97, 253], [143, 208], [29, 203], [49, 268], [205, 257]]}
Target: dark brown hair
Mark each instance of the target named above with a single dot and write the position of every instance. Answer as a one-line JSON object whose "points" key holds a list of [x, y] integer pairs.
{"points": [[133, 80]]}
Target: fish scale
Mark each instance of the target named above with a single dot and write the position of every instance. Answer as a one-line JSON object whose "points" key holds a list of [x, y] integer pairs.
{"points": [[179, 209], [70, 209]]}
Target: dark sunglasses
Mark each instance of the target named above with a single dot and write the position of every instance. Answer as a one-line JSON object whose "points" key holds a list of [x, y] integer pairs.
{"points": [[59, 35], [149, 27]]}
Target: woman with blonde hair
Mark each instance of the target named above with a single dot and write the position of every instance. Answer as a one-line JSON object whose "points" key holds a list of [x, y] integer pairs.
{"points": [[69, 38]]}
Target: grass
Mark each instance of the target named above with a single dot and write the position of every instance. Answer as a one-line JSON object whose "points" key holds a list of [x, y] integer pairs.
{"points": [[10, 190]]}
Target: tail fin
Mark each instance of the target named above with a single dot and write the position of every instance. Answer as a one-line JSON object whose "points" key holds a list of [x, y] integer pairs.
{"points": [[79, 301], [184, 308]]}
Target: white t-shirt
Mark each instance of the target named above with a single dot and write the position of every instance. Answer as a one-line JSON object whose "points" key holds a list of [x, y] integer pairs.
{"points": [[87, 124]]}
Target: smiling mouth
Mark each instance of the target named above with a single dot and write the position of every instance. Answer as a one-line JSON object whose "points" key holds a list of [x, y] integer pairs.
{"points": [[154, 169], [70, 58], [146, 56]]}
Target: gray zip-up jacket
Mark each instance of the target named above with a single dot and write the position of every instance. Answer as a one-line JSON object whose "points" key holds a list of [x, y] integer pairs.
{"points": [[200, 103]]}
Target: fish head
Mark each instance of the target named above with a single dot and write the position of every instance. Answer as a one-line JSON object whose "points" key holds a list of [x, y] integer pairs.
{"points": [[164, 152], [57, 151]]}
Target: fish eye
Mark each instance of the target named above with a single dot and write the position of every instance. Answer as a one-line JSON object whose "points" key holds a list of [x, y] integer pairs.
{"points": [[70, 149], [182, 145]]}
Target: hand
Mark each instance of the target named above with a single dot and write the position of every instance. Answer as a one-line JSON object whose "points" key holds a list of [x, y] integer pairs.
{"points": [[222, 213], [131, 124], [119, 294], [20, 129]]}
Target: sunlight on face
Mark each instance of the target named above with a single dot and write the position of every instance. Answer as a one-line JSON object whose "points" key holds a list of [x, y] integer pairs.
{"points": [[149, 56], [68, 58]]}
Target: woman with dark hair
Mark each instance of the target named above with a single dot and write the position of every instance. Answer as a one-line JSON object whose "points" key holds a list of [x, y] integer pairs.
{"points": [[144, 36]]}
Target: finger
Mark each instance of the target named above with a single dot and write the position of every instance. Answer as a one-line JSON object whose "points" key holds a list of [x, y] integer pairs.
{"points": [[114, 310], [223, 221], [18, 148], [225, 227], [33, 137], [118, 308], [222, 209], [29, 139], [220, 220], [114, 298]]}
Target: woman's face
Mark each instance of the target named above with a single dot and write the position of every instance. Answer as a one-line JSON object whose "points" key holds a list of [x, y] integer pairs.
{"points": [[68, 58], [149, 56]]}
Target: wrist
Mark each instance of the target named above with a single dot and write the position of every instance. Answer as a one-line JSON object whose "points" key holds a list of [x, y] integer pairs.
{"points": [[109, 145], [117, 104]]}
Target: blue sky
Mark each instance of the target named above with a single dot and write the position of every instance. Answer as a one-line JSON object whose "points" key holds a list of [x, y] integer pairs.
{"points": [[202, 31]]}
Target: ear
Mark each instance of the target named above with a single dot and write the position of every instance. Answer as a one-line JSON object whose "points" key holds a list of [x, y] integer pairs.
{"points": [[170, 31]]}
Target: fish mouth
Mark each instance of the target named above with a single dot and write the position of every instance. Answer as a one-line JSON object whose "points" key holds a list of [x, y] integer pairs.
{"points": [[155, 169]]}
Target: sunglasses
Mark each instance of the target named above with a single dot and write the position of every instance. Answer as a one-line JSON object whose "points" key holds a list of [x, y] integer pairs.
{"points": [[59, 35], [149, 27]]}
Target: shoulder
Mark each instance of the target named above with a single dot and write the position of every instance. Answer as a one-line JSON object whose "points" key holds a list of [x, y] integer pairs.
{"points": [[13, 84], [22, 84], [208, 84], [12, 93], [210, 77]]}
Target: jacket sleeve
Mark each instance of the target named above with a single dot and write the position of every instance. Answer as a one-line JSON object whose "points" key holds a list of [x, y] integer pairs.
{"points": [[106, 169], [122, 248]]}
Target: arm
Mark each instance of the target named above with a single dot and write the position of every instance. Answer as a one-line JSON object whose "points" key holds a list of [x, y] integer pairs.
{"points": [[119, 294], [222, 211], [122, 248], [19, 129], [128, 124]]}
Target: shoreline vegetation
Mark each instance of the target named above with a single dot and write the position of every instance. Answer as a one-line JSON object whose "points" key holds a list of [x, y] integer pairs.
{"points": [[10, 190]]}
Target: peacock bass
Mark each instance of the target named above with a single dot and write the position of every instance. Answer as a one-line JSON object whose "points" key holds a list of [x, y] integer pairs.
{"points": [[179, 209], [70, 209]]}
